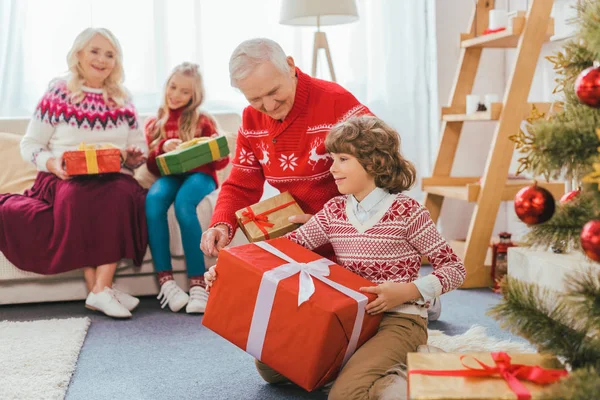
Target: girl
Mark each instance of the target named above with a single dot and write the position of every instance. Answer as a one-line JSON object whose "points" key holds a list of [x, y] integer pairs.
{"points": [[89, 222], [381, 234], [180, 120]]}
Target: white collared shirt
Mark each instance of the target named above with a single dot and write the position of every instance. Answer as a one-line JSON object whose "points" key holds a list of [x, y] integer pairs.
{"points": [[370, 205]]}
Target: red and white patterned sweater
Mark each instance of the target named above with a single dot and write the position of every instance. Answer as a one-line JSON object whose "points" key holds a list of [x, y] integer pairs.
{"points": [[387, 247], [206, 127], [289, 154]]}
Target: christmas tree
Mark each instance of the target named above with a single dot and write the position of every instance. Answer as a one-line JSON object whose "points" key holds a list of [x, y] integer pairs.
{"points": [[565, 144]]}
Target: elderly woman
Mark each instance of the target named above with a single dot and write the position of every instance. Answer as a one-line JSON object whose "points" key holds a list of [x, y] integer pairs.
{"points": [[92, 221]]}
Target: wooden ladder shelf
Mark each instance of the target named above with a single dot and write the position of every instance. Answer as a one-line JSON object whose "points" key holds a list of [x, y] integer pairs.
{"points": [[527, 34]]}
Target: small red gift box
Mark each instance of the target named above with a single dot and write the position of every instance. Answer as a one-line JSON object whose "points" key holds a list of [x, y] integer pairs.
{"points": [[89, 160], [297, 312]]}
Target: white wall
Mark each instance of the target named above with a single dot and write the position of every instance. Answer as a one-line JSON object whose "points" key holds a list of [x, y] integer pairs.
{"points": [[452, 18]]}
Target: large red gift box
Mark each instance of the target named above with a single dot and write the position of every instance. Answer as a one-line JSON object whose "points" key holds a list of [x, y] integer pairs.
{"points": [[254, 303]]}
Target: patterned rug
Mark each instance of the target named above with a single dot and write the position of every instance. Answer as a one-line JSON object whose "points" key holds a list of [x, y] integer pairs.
{"points": [[39, 357]]}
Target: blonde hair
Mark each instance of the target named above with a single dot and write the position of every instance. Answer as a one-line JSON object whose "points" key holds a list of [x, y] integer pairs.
{"points": [[113, 90], [376, 146], [190, 114]]}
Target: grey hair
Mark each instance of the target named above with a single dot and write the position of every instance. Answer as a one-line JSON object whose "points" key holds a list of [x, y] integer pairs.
{"points": [[252, 53]]}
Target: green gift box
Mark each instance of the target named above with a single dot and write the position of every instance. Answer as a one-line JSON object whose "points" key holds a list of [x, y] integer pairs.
{"points": [[192, 154]]}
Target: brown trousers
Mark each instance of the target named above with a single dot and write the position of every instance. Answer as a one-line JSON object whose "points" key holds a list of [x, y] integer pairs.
{"points": [[369, 370]]}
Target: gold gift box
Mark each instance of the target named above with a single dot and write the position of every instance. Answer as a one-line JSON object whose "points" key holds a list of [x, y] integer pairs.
{"points": [[431, 387], [264, 211]]}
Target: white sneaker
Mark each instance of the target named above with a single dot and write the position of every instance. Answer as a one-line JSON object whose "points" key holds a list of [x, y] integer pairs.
{"points": [[198, 299], [435, 310], [172, 295], [106, 302], [128, 301]]}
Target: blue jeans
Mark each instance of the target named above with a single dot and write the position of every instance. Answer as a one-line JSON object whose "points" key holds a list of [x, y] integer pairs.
{"points": [[186, 190]]}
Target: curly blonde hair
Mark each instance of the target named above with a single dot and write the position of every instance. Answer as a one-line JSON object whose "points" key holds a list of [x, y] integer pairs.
{"points": [[376, 146], [113, 91], [191, 113]]}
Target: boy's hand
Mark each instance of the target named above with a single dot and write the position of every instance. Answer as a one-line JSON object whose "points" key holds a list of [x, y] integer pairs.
{"points": [[300, 219], [390, 295], [210, 276]]}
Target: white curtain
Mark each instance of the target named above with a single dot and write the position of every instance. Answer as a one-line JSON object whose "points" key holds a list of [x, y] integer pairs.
{"points": [[387, 59]]}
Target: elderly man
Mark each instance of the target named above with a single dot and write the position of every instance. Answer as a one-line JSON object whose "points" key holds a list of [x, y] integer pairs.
{"points": [[281, 137]]}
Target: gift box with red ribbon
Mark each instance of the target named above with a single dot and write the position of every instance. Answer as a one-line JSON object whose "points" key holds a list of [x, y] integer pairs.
{"points": [[269, 218], [486, 376], [92, 159], [297, 312]]}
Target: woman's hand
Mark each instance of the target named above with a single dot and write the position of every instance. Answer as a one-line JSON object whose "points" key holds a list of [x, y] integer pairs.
{"points": [[171, 145], [55, 165], [210, 276], [134, 157], [390, 295]]}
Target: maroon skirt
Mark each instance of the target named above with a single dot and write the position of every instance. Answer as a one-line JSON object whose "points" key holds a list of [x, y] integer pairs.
{"points": [[87, 221]]}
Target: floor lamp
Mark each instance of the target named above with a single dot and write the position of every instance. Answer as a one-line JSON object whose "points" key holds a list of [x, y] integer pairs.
{"points": [[319, 13]]}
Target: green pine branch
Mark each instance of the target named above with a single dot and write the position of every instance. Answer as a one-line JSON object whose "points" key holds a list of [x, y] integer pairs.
{"points": [[566, 144], [564, 228], [589, 26], [583, 384], [525, 310], [583, 300]]}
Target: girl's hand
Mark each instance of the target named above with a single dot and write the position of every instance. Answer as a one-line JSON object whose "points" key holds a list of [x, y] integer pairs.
{"points": [[171, 145], [134, 157], [390, 295], [55, 165], [210, 276]]}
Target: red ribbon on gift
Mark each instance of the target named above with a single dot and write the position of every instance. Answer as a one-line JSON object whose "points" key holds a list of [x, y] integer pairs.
{"points": [[511, 373], [262, 220], [488, 30]]}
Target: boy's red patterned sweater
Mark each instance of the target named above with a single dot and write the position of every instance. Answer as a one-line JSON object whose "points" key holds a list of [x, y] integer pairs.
{"points": [[290, 154], [387, 248], [205, 127]]}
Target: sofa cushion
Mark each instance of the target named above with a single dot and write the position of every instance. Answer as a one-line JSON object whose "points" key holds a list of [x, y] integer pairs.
{"points": [[16, 175]]}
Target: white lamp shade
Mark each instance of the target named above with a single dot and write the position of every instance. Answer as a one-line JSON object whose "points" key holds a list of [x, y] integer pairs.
{"points": [[305, 12]]}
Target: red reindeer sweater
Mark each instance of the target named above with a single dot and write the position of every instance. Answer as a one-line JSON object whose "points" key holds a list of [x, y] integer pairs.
{"points": [[289, 154]]}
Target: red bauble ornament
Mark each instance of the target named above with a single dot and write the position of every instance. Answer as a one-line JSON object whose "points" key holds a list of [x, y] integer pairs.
{"points": [[569, 196], [534, 205], [587, 86], [590, 239]]}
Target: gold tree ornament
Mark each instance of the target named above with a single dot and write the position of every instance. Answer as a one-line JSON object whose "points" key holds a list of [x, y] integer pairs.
{"points": [[593, 177], [524, 140]]}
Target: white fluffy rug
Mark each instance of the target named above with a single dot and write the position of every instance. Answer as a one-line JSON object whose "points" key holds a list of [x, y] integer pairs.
{"points": [[39, 357], [473, 340]]}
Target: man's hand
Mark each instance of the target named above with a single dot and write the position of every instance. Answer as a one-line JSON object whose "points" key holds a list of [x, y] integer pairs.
{"points": [[300, 219], [134, 157], [55, 165], [214, 239], [390, 295], [210, 276], [171, 145]]}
